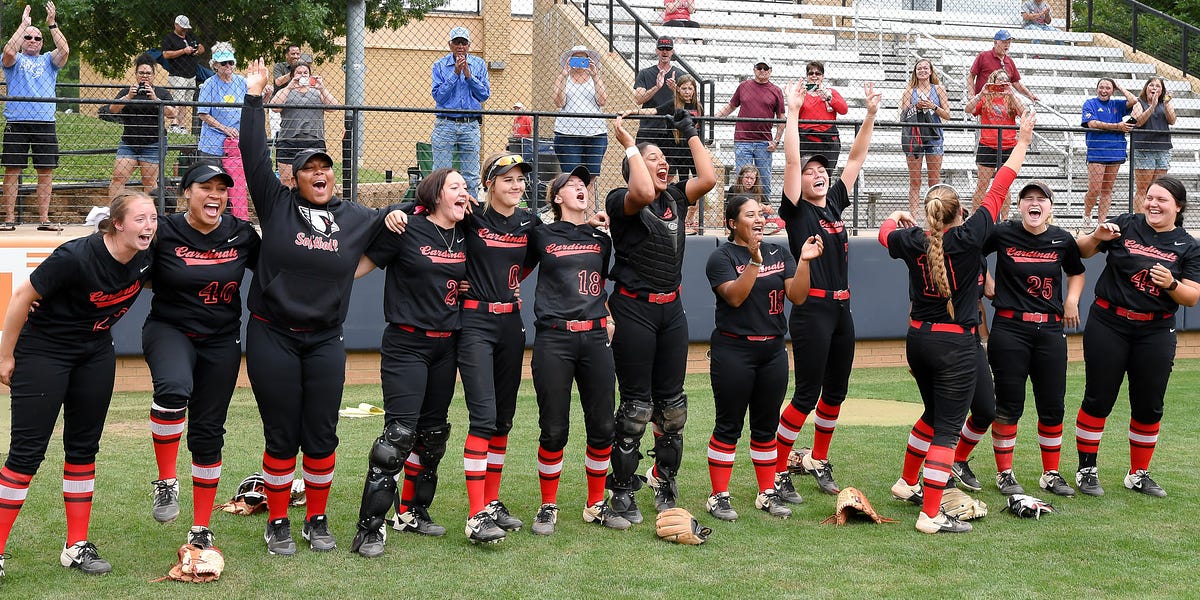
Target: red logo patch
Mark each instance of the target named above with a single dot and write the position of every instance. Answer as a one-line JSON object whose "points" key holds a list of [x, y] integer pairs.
{"points": [[668, 215]]}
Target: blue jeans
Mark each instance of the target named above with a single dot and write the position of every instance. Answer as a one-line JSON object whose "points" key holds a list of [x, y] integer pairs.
{"points": [[459, 140], [755, 153], [575, 150]]}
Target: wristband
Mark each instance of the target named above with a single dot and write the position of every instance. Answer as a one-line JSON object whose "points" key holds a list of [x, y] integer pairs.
{"points": [[55, 26], [632, 151], [1174, 284], [754, 263]]}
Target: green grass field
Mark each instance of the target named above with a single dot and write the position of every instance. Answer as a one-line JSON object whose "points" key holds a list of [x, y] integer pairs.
{"points": [[1121, 545]]}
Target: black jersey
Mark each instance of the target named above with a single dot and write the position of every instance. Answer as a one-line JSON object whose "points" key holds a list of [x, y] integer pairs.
{"points": [[962, 248], [649, 243], [198, 277], [804, 219], [84, 290], [1126, 281], [309, 252], [424, 267], [1029, 267], [573, 268], [762, 311], [497, 253]]}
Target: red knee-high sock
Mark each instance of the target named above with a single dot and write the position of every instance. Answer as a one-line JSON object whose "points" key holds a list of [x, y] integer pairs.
{"points": [[1004, 440], [790, 423], [1088, 430], [549, 470], [1050, 440], [497, 448], [595, 463], [13, 488], [1142, 439], [918, 445], [278, 474], [937, 474], [762, 455], [166, 427], [318, 478], [825, 418], [969, 437], [475, 466], [412, 468], [79, 481], [205, 479], [720, 464]]}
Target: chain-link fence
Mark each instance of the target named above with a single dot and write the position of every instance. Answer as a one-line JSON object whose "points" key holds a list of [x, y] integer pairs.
{"points": [[526, 51]]}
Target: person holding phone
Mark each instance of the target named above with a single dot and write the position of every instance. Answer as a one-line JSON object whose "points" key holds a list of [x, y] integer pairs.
{"points": [[303, 123], [139, 147], [995, 104], [1155, 114], [1107, 123], [579, 90], [821, 103]]}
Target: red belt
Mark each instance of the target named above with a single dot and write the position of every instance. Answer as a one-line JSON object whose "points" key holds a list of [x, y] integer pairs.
{"points": [[425, 332], [650, 297], [940, 327], [750, 338], [1132, 315], [832, 294], [1028, 317], [579, 326], [496, 308]]}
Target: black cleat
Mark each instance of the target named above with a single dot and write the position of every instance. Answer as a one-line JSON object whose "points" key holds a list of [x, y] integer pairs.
{"points": [[417, 520], [201, 536], [1088, 481], [503, 519], [481, 528], [963, 473], [83, 556], [1139, 481], [278, 536]]}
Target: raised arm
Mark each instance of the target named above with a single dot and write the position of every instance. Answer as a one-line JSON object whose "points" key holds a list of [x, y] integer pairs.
{"points": [[640, 187], [252, 140], [61, 50], [13, 46], [793, 169]]}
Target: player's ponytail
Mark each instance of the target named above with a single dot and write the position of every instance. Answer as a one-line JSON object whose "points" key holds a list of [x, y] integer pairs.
{"points": [[941, 207]]}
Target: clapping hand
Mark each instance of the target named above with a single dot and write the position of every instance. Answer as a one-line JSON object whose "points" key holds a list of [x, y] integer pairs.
{"points": [[873, 98], [257, 77], [51, 13], [812, 249]]}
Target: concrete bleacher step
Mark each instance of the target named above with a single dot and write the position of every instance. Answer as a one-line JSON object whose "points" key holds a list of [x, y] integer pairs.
{"points": [[717, 34]]}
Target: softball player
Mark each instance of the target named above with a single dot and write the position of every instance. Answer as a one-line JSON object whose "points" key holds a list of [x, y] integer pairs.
{"points": [[61, 358], [748, 366], [192, 339], [650, 347], [941, 343], [1152, 268], [822, 329], [573, 329]]}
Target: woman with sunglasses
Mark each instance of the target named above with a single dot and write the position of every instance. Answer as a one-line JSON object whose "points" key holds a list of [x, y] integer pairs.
{"points": [[139, 147], [218, 144], [303, 118], [821, 103]]}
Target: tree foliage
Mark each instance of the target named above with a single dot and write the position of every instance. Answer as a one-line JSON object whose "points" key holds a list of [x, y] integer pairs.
{"points": [[1159, 37], [108, 34]]}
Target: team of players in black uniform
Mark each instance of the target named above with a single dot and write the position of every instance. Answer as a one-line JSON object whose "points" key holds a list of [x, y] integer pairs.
{"points": [[452, 299]]}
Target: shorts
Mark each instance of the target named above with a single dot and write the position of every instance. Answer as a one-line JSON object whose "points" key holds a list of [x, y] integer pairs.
{"points": [[146, 154], [21, 138], [1156, 160], [182, 95], [286, 150], [985, 156], [934, 148]]}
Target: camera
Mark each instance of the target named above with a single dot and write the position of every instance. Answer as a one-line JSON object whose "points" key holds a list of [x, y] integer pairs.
{"points": [[810, 86], [1129, 119], [193, 44], [303, 80], [998, 88], [579, 62]]}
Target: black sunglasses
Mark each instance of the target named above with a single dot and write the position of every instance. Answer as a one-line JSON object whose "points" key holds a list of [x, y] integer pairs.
{"points": [[225, 63], [815, 73], [30, 37]]}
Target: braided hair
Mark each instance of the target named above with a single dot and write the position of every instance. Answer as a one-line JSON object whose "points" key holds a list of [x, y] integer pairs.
{"points": [[941, 208]]}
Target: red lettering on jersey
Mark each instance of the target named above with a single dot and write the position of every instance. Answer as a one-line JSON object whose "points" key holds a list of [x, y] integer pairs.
{"points": [[1031, 256], [105, 299], [1143, 250], [572, 249], [502, 240], [206, 257], [313, 243], [834, 227], [442, 256], [668, 215]]}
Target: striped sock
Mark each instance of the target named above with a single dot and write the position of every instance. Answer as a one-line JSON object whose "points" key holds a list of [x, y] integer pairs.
{"points": [[497, 448], [412, 468], [204, 491], [1142, 439], [790, 423], [969, 437], [596, 463], [79, 481], [549, 471], [762, 454], [1088, 431], [1050, 440], [318, 478], [166, 428], [475, 467], [918, 445], [13, 488], [825, 418], [937, 477], [1004, 440], [720, 464], [278, 474]]}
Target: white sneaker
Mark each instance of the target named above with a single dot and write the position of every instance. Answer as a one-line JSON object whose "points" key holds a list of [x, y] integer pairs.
{"points": [[942, 523], [914, 494], [82, 555]]}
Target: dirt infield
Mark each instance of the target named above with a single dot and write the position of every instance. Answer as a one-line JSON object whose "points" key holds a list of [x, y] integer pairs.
{"points": [[882, 413]]}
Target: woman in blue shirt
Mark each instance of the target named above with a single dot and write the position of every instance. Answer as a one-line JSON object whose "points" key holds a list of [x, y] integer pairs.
{"points": [[1104, 116]]}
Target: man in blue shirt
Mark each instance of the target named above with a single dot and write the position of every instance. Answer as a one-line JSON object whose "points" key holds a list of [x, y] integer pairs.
{"points": [[30, 127], [460, 81]]}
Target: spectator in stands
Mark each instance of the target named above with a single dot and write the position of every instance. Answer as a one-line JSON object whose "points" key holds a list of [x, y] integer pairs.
{"points": [[995, 104], [749, 184], [219, 132], [753, 143], [924, 93], [997, 58], [821, 104], [653, 87], [139, 146], [29, 128], [460, 81], [180, 49], [676, 150], [281, 73], [522, 126], [678, 13], [1105, 118], [1035, 14], [303, 124], [579, 89], [1155, 113]]}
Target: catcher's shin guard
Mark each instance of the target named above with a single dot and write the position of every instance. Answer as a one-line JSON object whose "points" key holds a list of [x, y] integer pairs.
{"points": [[431, 447], [385, 461], [630, 425], [668, 447]]}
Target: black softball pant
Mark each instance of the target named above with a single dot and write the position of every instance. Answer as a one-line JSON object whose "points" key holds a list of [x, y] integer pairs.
{"points": [[945, 366], [51, 374], [418, 373], [1115, 346], [1019, 351], [822, 331], [650, 348], [491, 349], [197, 373], [983, 401], [747, 376], [560, 357], [297, 377]]}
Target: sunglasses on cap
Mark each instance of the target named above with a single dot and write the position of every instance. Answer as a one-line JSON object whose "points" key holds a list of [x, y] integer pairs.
{"points": [[504, 161], [37, 38], [225, 63]]}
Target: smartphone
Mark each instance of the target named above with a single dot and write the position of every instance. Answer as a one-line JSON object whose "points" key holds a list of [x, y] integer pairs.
{"points": [[998, 88], [303, 81], [1166, 99], [811, 86], [579, 62]]}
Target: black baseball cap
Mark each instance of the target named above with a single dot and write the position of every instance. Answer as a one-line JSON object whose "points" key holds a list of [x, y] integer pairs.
{"points": [[665, 43], [304, 156], [804, 160], [1037, 185], [561, 180], [204, 172]]}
